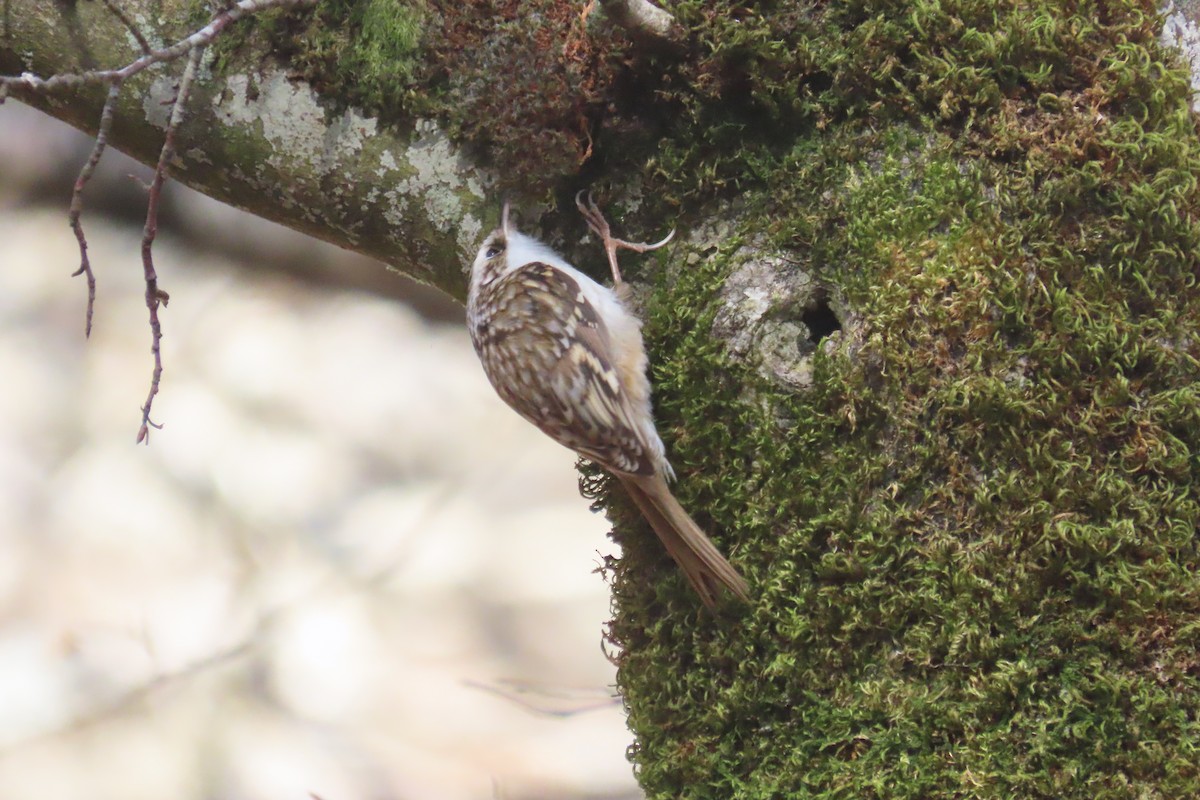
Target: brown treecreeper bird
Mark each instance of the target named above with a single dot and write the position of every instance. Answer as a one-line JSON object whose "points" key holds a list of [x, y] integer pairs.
{"points": [[566, 353]]}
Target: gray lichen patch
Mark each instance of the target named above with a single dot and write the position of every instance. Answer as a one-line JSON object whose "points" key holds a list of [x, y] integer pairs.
{"points": [[439, 178], [156, 104], [428, 181], [774, 314], [288, 114], [346, 137], [1180, 30]]}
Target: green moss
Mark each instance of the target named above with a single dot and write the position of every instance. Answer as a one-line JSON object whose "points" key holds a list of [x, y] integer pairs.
{"points": [[389, 39], [973, 542], [361, 53]]}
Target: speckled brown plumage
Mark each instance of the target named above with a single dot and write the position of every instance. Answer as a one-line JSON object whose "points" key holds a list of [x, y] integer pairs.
{"points": [[567, 355], [546, 351]]}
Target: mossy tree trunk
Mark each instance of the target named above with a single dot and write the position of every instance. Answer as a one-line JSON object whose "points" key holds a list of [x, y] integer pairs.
{"points": [[926, 356]]}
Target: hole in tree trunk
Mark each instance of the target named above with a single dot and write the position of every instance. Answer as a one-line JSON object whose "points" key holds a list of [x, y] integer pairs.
{"points": [[819, 318]]}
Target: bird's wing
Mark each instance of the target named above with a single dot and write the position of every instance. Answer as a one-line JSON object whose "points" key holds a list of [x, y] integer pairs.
{"points": [[549, 354]]}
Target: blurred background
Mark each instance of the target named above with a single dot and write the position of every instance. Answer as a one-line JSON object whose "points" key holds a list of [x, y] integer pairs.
{"points": [[342, 569]]}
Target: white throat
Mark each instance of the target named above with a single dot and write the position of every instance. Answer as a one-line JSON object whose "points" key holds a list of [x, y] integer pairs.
{"points": [[522, 250]]}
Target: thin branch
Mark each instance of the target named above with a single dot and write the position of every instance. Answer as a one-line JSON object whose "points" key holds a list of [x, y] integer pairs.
{"points": [[85, 174], [155, 295], [201, 38], [129, 24], [136, 695], [115, 78], [548, 701]]}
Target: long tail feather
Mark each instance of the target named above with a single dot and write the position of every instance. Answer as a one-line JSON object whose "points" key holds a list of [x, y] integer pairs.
{"points": [[706, 569]]}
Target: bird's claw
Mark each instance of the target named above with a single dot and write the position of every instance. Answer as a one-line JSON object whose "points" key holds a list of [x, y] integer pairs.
{"points": [[599, 226]]}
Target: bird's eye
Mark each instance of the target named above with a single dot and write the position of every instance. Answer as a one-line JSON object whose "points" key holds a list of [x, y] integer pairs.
{"points": [[492, 252]]}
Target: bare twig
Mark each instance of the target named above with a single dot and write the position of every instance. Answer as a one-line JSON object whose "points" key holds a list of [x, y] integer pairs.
{"points": [[549, 701], [129, 24], [136, 695], [155, 295], [645, 21], [115, 79], [85, 174], [201, 38]]}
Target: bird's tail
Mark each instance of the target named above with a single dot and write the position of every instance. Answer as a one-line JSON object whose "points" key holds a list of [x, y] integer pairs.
{"points": [[706, 569]]}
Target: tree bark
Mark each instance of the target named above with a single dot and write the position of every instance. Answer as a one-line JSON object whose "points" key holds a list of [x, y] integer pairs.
{"points": [[262, 140], [925, 356]]}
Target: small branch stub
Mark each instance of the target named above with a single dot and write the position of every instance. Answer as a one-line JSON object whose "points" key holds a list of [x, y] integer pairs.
{"points": [[645, 22]]}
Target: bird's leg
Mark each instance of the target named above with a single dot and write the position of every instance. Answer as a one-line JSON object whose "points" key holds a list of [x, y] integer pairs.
{"points": [[599, 225]]}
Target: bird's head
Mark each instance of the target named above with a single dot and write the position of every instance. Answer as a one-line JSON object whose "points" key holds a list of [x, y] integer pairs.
{"points": [[506, 249], [490, 261]]}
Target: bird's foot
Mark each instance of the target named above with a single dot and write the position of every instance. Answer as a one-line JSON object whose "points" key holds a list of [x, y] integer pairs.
{"points": [[599, 226]]}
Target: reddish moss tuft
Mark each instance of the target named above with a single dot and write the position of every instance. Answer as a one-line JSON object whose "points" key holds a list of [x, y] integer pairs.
{"points": [[528, 83]]}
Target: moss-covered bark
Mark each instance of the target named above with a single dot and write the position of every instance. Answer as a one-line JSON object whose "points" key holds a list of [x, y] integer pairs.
{"points": [[970, 516], [974, 536]]}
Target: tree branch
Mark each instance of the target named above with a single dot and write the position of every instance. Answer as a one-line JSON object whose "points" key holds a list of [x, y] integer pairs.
{"points": [[265, 141], [73, 215], [155, 295], [193, 44], [201, 38]]}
